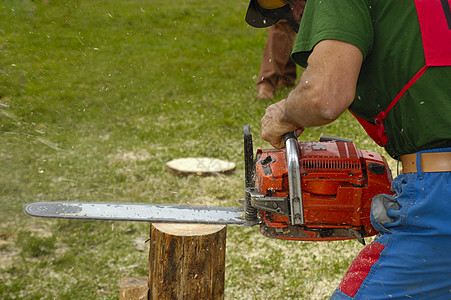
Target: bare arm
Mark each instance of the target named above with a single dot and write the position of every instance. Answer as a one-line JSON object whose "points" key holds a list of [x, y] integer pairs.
{"points": [[326, 89]]}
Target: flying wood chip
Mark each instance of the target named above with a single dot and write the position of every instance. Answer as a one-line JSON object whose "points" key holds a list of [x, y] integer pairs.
{"points": [[202, 166]]}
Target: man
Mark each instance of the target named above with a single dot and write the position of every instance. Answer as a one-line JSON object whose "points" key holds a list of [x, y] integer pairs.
{"points": [[277, 69], [388, 61]]}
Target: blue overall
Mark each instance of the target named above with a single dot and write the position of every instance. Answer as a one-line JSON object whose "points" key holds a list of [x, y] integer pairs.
{"points": [[411, 257]]}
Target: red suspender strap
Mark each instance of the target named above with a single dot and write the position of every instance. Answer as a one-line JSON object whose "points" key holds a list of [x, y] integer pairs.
{"points": [[434, 17], [371, 129], [379, 119], [435, 23]]}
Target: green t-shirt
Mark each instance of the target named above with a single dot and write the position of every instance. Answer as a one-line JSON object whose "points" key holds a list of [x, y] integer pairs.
{"points": [[388, 34]]}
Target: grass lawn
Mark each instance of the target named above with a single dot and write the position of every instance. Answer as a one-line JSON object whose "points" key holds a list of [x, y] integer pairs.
{"points": [[95, 97]]}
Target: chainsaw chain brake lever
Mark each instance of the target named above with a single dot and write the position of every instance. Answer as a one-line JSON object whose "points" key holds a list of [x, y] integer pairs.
{"points": [[294, 178]]}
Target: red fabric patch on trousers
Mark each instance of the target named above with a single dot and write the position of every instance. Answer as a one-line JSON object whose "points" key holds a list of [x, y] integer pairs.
{"points": [[360, 268]]}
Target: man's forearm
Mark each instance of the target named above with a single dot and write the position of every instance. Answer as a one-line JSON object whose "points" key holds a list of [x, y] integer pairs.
{"points": [[308, 104], [326, 89]]}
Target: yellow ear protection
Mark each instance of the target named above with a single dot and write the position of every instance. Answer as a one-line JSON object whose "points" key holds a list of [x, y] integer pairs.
{"points": [[264, 13], [272, 4]]}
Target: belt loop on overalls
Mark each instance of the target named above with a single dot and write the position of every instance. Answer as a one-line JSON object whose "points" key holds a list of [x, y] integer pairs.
{"points": [[419, 170]]}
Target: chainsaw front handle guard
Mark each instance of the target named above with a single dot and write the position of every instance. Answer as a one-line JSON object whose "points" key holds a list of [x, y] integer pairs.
{"points": [[294, 178], [250, 212]]}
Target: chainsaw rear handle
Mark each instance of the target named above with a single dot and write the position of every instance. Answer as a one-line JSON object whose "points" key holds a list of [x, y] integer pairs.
{"points": [[294, 178]]}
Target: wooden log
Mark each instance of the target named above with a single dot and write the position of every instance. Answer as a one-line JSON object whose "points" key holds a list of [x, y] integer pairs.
{"points": [[187, 261], [134, 288]]}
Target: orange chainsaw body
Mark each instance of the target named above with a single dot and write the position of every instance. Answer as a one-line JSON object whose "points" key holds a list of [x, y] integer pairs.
{"points": [[338, 182]]}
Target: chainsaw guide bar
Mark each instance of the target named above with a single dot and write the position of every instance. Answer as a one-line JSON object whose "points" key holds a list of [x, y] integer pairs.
{"points": [[136, 212]]}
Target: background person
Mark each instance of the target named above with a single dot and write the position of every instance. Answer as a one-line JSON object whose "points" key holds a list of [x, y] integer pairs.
{"points": [[277, 69]]}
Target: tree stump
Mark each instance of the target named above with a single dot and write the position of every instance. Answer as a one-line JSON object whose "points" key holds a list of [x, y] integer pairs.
{"points": [[187, 261], [201, 166], [134, 288]]}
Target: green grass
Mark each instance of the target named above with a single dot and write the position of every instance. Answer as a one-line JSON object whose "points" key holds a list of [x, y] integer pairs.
{"points": [[95, 98]]}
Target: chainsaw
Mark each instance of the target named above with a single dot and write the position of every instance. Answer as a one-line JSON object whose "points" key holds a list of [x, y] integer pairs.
{"points": [[309, 191]]}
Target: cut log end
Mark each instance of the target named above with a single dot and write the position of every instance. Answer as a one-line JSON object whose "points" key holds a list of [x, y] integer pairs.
{"points": [[182, 229], [201, 166]]}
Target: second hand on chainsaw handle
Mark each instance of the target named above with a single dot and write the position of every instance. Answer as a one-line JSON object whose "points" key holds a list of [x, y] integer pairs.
{"points": [[294, 178]]}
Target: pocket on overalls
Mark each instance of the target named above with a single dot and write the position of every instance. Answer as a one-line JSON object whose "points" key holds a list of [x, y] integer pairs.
{"points": [[382, 207]]}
